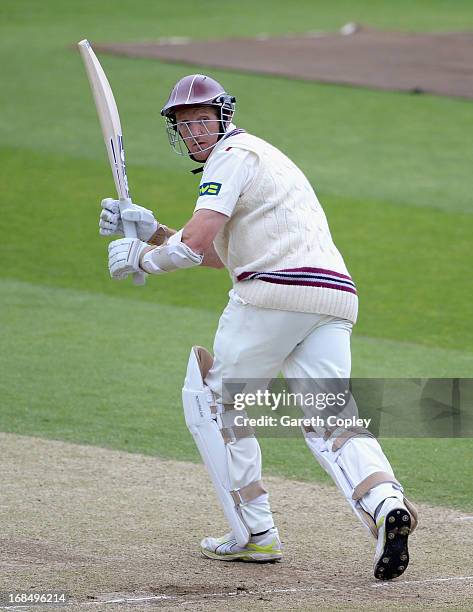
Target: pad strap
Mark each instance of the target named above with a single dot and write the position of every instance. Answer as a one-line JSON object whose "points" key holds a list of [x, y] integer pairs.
{"points": [[371, 481], [231, 432], [368, 520], [339, 435], [343, 435], [248, 493]]}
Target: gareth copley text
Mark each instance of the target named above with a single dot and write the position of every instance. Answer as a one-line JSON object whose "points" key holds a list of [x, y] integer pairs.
{"points": [[288, 421]]}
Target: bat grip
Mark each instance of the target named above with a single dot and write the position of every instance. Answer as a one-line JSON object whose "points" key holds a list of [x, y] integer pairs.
{"points": [[129, 229]]}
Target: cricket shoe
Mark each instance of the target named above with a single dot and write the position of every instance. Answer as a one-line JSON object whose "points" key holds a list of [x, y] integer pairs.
{"points": [[260, 548], [394, 526]]}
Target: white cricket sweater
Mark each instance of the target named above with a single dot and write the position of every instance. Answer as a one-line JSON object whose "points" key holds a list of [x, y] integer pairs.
{"points": [[277, 244]]}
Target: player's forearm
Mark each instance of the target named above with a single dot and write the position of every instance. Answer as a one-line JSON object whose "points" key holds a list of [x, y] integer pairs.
{"points": [[197, 235], [211, 259]]}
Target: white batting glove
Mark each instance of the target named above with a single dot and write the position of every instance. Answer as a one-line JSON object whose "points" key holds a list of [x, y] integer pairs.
{"points": [[124, 257], [110, 222]]}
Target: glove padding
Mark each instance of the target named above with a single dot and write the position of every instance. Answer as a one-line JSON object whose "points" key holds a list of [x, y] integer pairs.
{"points": [[124, 257], [110, 222]]}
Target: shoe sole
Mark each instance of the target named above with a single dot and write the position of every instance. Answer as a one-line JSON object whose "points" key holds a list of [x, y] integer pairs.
{"points": [[395, 557], [249, 558]]}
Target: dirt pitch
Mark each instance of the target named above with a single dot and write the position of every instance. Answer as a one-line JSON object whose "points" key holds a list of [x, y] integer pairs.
{"points": [[439, 63], [106, 525]]}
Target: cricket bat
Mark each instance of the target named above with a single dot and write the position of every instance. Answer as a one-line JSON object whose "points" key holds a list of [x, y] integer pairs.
{"points": [[112, 135]]}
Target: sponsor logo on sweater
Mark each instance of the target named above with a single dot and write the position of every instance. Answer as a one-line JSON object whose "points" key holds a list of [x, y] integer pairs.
{"points": [[209, 189]]}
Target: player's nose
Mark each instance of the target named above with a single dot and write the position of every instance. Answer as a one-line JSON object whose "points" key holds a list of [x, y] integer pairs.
{"points": [[198, 129]]}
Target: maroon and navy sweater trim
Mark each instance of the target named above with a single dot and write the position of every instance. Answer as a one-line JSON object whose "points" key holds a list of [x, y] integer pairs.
{"points": [[306, 277], [234, 133]]}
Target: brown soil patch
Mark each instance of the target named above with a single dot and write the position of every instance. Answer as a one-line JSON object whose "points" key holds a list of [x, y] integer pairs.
{"points": [[105, 525], [435, 63]]}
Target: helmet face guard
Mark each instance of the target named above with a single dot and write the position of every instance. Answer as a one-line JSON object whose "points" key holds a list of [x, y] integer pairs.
{"points": [[180, 132], [194, 91]]}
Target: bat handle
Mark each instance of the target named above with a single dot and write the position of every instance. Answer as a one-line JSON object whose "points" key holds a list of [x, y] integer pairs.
{"points": [[129, 228]]}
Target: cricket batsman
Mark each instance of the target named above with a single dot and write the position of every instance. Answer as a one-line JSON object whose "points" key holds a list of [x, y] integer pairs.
{"points": [[291, 309]]}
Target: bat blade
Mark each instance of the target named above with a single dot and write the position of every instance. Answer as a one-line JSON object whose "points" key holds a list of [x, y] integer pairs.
{"points": [[112, 133]]}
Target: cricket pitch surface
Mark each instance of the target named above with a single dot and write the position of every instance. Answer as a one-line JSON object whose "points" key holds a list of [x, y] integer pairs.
{"points": [[438, 63], [120, 531]]}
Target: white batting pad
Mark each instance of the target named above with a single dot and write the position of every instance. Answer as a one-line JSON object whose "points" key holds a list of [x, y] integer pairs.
{"points": [[209, 441], [352, 466]]}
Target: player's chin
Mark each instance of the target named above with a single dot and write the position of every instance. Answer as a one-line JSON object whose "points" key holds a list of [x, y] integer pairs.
{"points": [[201, 155]]}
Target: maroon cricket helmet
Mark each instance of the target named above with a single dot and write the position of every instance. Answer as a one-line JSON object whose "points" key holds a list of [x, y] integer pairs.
{"points": [[197, 90]]}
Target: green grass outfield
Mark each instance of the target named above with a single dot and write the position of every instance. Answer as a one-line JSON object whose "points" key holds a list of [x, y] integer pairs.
{"points": [[88, 360]]}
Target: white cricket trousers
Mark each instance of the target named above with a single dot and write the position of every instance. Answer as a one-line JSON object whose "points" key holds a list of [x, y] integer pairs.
{"points": [[258, 343]]}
